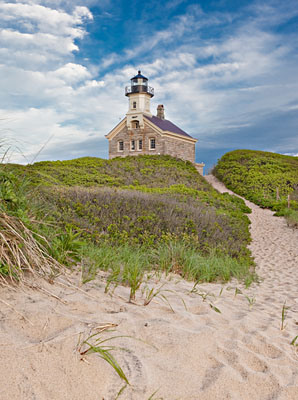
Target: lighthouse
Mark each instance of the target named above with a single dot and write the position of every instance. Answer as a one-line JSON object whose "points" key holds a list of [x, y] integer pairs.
{"points": [[139, 94], [140, 132]]}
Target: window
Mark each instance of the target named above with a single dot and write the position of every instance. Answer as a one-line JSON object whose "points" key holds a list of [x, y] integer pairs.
{"points": [[120, 146], [140, 144], [134, 104], [135, 124], [152, 144], [132, 145]]}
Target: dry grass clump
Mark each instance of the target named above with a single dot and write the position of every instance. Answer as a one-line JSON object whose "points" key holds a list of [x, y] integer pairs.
{"points": [[21, 252]]}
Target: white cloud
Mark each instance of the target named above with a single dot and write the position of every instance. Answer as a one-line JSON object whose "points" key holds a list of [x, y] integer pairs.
{"points": [[67, 4], [45, 19], [39, 81], [247, 76], [44, 34], [72, 73], [291, 154], [44, 42], [208, 86], [33, 131]]}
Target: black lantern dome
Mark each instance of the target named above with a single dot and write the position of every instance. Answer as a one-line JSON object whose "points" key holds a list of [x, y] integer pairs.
{"points": [[139, 84]]}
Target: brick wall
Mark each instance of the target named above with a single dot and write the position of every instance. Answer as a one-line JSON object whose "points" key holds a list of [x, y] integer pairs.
{"points": [[164, 145]]}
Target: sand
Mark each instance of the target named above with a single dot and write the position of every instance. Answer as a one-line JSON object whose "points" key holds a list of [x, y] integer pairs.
{"points": [[187, 352]]}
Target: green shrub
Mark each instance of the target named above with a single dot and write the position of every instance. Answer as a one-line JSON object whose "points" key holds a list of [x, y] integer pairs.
{"points": [[126, 216], [144, 206], [291, 217], [267, 179]]}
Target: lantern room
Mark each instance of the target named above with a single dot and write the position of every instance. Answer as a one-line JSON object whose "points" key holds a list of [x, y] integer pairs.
{"points": [[139, 84]]}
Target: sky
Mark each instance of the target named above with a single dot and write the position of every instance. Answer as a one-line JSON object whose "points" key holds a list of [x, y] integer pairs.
{"points": [[226, 72]]}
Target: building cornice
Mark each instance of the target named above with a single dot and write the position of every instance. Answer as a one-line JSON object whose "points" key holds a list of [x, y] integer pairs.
{"points": [[116, 130]]}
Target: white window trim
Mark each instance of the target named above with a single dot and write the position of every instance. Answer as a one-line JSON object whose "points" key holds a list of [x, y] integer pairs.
{"points": [[120, 141], [152, 148]]}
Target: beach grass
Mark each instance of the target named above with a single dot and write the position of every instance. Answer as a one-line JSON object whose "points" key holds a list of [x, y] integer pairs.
{"points": [[269, 180], [129, 217]]}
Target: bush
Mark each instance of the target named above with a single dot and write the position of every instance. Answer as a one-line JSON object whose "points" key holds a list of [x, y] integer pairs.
{"points": [[261, 177], [126, 216], [136, 204]]}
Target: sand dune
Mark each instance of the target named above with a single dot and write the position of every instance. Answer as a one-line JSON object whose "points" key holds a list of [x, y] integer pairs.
{"points": [[191, 353]]}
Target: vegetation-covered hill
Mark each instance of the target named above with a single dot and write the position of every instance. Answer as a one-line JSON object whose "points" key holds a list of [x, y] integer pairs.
{"points": [[263, 178], [150, 171], [135, 212]]}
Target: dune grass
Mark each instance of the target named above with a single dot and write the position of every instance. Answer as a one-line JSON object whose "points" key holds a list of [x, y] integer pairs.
{"points": [[130, 216], [22, 253], [97, 344], [269, 180], [29, 244], [129, 265], [290, 215]]}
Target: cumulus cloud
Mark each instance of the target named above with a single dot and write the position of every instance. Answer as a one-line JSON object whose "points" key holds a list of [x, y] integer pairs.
{"points": [[45, 19], [66, 4], [43, 33], [223, 89], [235, 81], [39, 80], [72, 73]]}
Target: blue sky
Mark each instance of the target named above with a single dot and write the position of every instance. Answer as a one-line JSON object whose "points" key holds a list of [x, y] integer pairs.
{"points": [[226, 72]]}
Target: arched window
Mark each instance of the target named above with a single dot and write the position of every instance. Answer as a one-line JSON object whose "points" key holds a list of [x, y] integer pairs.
{"points": [[134, 104], [135, 124]]}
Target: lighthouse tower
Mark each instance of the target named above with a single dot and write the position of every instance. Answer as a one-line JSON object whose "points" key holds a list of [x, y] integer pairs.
{"points": [[139, 95], [140, 132]]}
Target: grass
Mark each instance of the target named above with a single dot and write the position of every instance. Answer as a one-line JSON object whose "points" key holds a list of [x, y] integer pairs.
{"points": [[128, 265], [151, 171], [154, 398], [96, 344], [129, 217], [144, 200], [291, 217], [293, 342], [269, 180], [150, 294], [283, 316], [21, 253], [251, 300], [24, 249], [122, 216], [29, 242]]}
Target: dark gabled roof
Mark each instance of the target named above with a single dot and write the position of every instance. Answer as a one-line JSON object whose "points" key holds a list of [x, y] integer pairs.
{"points": [[166, 125], [139, 76]]}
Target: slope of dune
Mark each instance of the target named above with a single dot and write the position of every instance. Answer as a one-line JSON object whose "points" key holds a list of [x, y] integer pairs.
{"points": [[181, 349]]}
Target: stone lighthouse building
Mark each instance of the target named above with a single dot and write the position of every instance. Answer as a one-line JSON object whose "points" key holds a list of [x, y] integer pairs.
{"points": [[140, 132]]}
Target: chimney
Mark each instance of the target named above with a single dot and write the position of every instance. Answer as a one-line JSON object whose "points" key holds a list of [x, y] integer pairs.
{"points": [[160, 111]]}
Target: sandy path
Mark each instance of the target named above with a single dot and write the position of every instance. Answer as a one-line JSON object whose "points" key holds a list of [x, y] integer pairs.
{"points": [[275, 249], [193, 353]]}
